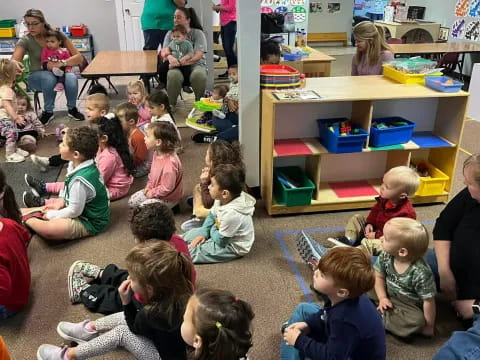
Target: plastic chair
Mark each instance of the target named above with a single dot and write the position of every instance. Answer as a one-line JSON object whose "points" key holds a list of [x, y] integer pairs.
{"points": [[449, 62], [395, 41]]}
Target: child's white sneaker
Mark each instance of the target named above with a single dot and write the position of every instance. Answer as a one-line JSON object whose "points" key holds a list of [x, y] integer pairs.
{"points": [[40, 161], [76, 331], [22, 152], [57, 71], [14, 157]]}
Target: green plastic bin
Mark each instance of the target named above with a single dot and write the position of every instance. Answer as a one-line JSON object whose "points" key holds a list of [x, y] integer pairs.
{"points": [[7, 23], [299, 196]]}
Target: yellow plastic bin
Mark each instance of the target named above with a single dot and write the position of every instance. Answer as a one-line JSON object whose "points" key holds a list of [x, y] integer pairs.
{"points": [[7, 32], [404, 78], [433, 184]]}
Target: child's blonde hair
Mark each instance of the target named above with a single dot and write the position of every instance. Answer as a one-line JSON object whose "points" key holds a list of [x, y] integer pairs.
{"points": [[7, 72], [139, 85], [374, 36], [99, 101], [474, 160], [410, 235], [405, 177], [130, 111]]}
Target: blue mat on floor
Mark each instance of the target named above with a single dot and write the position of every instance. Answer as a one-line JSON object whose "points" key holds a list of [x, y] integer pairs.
{"points": [[15, 173]]}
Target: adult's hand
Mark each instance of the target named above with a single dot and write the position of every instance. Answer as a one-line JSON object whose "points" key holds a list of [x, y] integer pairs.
{"points": [[232, 105], [464, 308], [18, 65], [54, 64], [173, 61]]}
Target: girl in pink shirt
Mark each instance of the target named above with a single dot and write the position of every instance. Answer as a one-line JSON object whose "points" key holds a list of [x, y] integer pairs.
{"points": [[228, 30], [372, 49], [54, 52], [137, 96], [113, 161], [165, 180]]}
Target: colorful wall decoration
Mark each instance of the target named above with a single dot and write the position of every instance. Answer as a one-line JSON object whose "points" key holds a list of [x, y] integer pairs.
{"points": [[467, 24], [299, 8]]}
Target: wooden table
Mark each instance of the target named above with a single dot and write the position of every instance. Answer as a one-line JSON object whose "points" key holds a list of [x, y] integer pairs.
{"points": [[121, 63], [317, 64], [437, 48]]}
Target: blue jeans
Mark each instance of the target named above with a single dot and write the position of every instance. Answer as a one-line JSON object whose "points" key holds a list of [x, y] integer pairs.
{"points": [[45, 81], [301, 313], [227, 128], [153, 38], [462, 344], [228, 33]]}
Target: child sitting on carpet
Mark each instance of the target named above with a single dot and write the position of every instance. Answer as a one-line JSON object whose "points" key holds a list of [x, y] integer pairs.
{"points": [[165, 180], [218, 325], [225, 121], [137, 96], [33, 129], [219, 152], [84, 208], [159, 277], [348, 326], [398, 184], [227, 233], [96, 287], [405, 286], [14, 266], [96, 106], [159, 107], [113, 161], [142, 159]]}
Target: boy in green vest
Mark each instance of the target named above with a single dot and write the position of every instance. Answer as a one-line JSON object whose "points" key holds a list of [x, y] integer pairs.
{"points": [[84, 209]]}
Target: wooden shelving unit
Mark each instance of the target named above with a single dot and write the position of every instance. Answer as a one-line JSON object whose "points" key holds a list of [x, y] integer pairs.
{"points": [[289, 136]]}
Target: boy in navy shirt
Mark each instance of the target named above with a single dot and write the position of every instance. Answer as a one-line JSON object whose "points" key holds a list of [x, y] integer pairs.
{"points": [[348, 326]]}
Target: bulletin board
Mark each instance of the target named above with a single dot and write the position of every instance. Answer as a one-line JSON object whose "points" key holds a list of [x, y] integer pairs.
{"points": [[299, 8]]}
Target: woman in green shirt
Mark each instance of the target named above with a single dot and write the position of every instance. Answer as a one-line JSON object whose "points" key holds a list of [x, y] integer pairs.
{"points": [[42, 80], [157, 19]]}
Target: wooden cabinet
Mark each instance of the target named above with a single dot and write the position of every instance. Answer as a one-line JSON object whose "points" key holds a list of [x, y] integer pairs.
{"points": [[439, 119]]}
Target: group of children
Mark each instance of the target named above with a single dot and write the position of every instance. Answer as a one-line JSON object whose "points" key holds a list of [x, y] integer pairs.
{"points": [[400, 283]]}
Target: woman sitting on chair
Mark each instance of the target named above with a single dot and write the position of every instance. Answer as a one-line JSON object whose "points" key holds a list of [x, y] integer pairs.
{"points": [[168, 72], [45, 81]]}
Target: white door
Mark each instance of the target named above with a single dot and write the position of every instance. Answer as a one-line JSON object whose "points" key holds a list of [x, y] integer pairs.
{"points": [[131, 31]]}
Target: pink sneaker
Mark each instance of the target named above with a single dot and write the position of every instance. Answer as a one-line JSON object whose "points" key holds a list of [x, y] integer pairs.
{"points": [[59, 87]]}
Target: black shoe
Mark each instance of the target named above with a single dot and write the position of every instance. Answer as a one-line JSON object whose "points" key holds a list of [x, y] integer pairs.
{"points": [[37, 185], [224, 75], [283, 327], [75, 114], [216, 58], [31, 200], [202, 138], [46, 117], [187, 89]]}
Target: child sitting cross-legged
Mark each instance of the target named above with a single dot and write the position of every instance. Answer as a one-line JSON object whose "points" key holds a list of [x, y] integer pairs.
{"points": [[112, 159], [33, 129], [348, 326], [165, 180], [398, 184], [405, 286], [84, 207], [128, 116], [218, 325], [96, 287], [159, 107], [160, 276], [227, 233], [137, 95]]}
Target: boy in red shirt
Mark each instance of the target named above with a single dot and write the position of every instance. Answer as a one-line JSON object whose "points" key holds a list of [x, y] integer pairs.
{"points": [[398, 184], [97, 288]]}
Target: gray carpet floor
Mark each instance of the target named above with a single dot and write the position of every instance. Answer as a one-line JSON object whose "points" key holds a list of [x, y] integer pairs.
{"points": [[270, 277]]}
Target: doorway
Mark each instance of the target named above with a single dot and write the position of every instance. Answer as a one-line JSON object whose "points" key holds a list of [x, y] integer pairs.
{"points": [[130, 34]]}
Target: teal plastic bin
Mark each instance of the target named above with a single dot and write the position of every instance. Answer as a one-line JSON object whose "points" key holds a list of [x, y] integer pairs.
{"points": [[297, 195]]}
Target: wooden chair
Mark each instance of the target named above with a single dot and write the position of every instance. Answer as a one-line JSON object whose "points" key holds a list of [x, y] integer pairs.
{"points": [[449, 62]]}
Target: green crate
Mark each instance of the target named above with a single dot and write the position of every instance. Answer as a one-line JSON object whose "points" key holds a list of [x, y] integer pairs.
{"points": [[8, 23], [299, 196]]}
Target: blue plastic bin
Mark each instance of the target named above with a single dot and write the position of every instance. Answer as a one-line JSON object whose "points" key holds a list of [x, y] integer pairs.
{"points": [[437, 83], [340, 144], [292, 57], [392, 135]]}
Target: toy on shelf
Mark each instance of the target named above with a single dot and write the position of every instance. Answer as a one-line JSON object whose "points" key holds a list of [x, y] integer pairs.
{"points": [[421, 168], [443, 84], [414, 65], [200, 118], [340, 135]]}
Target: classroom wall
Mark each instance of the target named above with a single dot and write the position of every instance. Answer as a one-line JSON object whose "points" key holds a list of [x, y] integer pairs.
{"points": [[99, 15], [325, 22]]}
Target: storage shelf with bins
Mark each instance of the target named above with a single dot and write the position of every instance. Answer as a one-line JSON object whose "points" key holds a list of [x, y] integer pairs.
{"points": [[289, 136]]}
